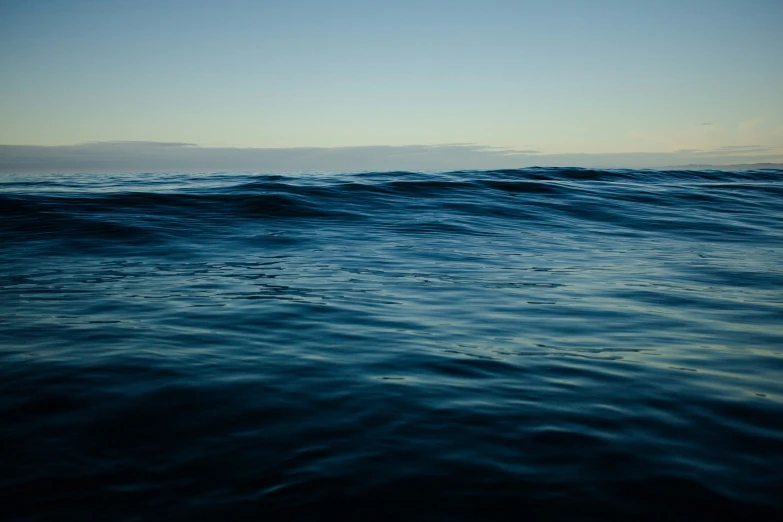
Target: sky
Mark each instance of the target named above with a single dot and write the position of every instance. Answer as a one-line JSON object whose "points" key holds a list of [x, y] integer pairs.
{"points": [[604, 82]]}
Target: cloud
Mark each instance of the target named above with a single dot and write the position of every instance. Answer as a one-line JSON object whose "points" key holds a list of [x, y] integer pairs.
{"points": [[738, 147], [125, 144], [712, 137], [742, 148], [143, 156], [737, 150]]}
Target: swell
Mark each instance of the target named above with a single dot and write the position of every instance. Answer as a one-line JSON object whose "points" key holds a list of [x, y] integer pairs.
{"points": [[712, 204]]}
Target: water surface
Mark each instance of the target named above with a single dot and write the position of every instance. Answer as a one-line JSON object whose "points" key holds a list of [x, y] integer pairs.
{"points": [[537, 344]]}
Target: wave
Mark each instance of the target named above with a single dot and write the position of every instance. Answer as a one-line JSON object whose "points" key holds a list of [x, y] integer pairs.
{"points": [[718, 204]]}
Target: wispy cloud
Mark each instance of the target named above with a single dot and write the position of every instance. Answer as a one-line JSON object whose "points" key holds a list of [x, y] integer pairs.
{"points": [[143, 156], [743, 148], [711, 137], [137, 156], [738, 150]]}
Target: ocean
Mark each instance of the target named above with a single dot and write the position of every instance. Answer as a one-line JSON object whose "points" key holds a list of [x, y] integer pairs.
{"points": [[532, 344]]}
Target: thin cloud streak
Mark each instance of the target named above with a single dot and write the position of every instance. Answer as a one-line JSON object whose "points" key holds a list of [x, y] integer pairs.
{"points": [[145, 156]]}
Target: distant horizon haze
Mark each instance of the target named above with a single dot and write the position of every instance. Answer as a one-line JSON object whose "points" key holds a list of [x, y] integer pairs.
{"points": [[126, 156]]}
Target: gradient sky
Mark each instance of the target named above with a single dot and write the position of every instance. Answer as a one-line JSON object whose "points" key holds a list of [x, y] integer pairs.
{"points": [[564, 76]]}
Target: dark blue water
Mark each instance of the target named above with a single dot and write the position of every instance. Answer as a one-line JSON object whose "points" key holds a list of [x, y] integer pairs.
{"points": [[537, 344]]}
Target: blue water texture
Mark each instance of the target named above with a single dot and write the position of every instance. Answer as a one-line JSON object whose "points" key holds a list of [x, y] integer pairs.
{"points": [[533, 344]]}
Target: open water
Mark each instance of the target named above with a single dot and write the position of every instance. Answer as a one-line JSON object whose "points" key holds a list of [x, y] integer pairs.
{"points": [[535, 344]]}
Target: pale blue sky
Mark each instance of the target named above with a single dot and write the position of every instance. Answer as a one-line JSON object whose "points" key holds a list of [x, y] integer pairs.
{"points": [[567, 76]]}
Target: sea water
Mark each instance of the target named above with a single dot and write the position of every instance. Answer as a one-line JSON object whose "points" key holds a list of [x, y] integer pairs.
{"points": [[534, 344]]}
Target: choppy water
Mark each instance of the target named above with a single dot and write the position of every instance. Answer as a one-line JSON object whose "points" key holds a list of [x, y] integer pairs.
{"points": [[537, 344]]}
